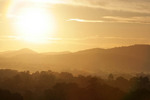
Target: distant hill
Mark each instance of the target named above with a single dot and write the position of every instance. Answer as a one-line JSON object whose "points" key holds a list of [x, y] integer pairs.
{"points": [[135, 58], [56, 53], [17, 52]]}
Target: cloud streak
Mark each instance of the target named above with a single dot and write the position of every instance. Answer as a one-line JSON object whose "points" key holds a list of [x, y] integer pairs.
{"points": [[115, 19], [141, 6], [88, 42], [139, 20], [87, 21]]}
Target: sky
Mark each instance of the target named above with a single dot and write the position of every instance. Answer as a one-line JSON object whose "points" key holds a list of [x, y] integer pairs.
{"points": [[73, 25]]}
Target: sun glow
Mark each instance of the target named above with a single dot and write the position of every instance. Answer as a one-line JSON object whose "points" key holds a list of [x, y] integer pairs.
{"points": [[34, 24]]}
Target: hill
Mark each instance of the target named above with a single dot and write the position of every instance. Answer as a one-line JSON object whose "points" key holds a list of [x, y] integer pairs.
{"points": [[17, 52], [129, 59]]}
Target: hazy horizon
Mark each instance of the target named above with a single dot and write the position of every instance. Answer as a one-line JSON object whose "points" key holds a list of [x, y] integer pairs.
{"points": [[41, 51]]}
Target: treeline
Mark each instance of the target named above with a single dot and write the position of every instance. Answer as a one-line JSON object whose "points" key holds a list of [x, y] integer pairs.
{"points": [[48, 85]]}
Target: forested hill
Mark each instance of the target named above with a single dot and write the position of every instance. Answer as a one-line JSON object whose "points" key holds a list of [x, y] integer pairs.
{"points": [[134, 58]]}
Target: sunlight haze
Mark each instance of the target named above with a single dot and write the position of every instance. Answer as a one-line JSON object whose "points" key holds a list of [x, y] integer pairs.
{"points": [[70, 25]]}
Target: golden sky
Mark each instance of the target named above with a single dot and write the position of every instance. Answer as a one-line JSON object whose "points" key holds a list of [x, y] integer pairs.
{"points": [[71, 25]]}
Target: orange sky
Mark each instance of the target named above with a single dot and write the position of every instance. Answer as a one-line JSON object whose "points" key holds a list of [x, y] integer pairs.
{"points": [[75, 24]]}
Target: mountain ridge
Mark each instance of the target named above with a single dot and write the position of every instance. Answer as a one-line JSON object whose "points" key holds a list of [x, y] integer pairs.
{"points": [[135, 58]]}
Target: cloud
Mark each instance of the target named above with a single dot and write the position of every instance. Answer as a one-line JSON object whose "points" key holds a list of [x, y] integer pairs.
{"points": [[116, 19], [86, 42], [102, 42], [88, 21], [139, 20], [6, 38], [141, 6], [104, 6]]}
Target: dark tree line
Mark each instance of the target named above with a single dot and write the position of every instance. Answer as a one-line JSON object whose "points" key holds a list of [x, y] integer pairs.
{"points": [[48, 85], [7, 95]]}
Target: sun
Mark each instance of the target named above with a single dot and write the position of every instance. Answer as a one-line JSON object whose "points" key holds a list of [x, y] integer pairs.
{"points": [[34, 24]]}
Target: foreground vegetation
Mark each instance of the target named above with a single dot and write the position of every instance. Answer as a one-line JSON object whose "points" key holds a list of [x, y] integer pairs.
{"points": [[48, 85]]}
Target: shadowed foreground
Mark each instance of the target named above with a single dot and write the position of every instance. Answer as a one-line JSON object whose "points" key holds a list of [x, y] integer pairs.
{"points": [[48, 85]]}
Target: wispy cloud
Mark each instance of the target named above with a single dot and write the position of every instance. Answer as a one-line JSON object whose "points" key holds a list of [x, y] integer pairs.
{"points": [[140, 20], [103, 42], [88, 21], [89, 41], [141, 6], [116, 19]]}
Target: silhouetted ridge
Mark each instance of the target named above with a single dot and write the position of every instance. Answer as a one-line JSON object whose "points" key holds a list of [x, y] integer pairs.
{"points": [[26, 50], [94, 50], [135, 58], [17, 52], [134, 50], [56, 53]]}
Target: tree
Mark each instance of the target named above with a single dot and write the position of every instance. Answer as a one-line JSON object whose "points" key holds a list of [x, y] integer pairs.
{"points": [[110, 77]]}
